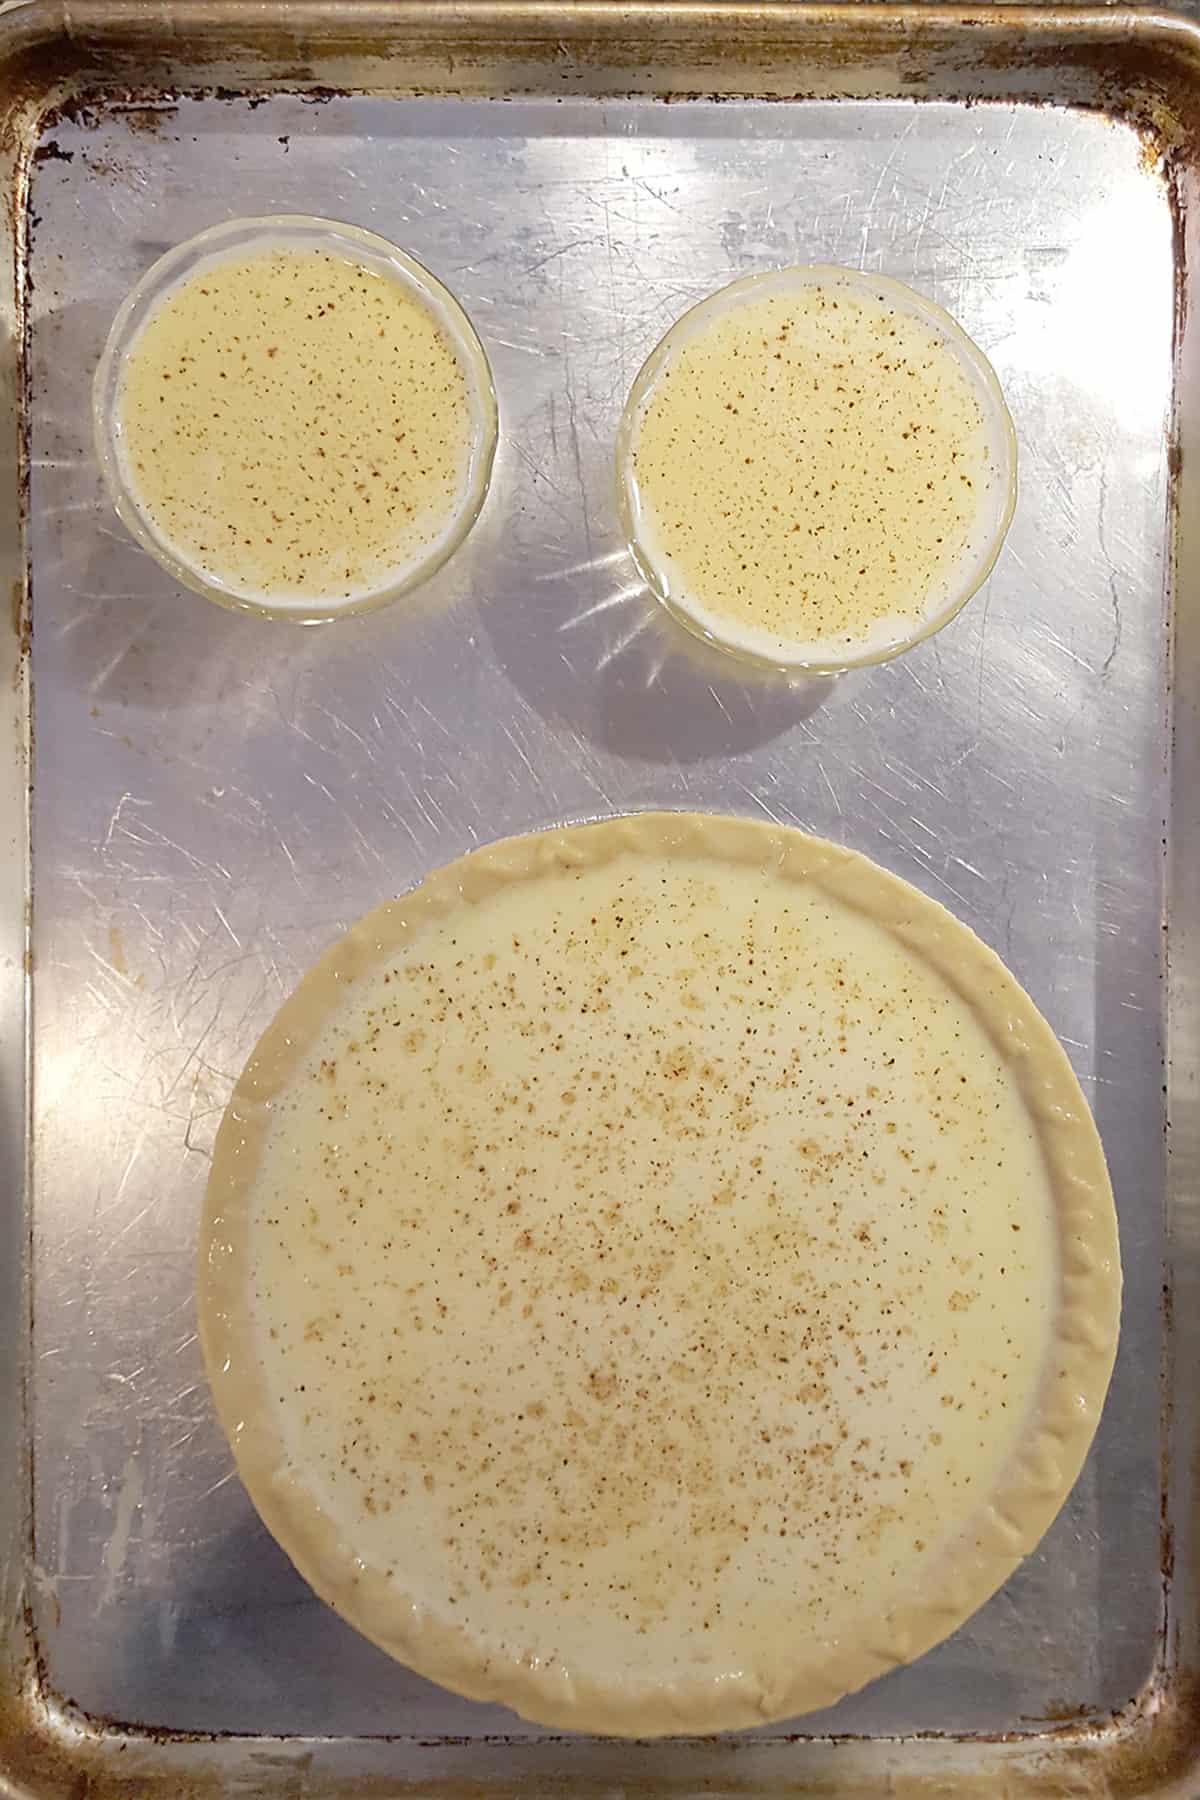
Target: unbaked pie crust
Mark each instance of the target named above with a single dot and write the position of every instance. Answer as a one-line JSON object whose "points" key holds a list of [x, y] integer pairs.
{"points": [[658, 1275]]}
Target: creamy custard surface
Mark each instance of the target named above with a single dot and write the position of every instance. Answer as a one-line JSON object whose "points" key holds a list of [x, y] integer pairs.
{"points": [[651, 1265], [296, 424], [813, 467]]}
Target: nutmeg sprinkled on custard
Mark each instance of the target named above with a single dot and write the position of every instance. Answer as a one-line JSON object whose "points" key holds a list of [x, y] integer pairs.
{"points": [[811, 463], [295, 424], [642, 1249]]}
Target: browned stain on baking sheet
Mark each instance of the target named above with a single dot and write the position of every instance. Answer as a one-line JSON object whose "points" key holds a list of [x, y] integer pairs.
{"points": [[21, 622]]}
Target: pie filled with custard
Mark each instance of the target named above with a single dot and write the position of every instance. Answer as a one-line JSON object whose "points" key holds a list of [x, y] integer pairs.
{"points": [[658, 1274]]}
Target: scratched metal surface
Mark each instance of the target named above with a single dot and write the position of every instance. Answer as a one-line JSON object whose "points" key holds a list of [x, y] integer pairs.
{"points": [[215, 798]]}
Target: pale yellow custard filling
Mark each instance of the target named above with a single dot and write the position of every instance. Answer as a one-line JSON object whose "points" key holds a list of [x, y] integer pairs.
{"points": [[652, 1266], [816, 468], [295, 424]]}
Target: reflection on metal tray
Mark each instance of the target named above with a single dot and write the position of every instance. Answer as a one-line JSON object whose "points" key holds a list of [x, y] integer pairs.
{"points": [[212, 798]]}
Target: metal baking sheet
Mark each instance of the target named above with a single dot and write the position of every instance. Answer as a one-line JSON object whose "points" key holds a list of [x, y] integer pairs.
{"points": [[195, 803]]}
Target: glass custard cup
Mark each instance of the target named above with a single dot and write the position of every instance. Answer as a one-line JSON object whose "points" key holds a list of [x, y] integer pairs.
{"points": [[296, 246], [889, 453]]}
